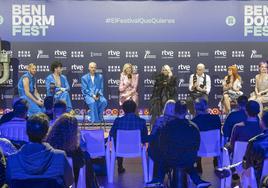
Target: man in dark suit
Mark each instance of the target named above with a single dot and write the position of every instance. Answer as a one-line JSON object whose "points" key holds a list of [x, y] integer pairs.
{"points": [[130, 121]]}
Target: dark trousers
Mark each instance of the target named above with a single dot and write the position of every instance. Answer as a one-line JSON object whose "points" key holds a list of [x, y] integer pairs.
{"points": [[120, 162], [191, 171], [193, 96]]}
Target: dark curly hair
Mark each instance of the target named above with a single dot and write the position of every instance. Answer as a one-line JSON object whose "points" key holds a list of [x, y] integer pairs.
{"points": [[55, 65]]}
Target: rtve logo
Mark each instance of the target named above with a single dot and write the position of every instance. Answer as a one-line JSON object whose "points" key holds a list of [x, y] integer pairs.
{"points": [[113, 54], [167, 54], [60, 54], [220, 54], [77, 67]]}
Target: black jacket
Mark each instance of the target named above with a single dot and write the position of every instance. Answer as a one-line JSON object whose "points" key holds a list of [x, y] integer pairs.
{"points": [[179, 143], [256, 153]]}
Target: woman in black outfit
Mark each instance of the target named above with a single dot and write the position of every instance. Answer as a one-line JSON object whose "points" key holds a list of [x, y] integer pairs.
{"points": [[165, 88]]}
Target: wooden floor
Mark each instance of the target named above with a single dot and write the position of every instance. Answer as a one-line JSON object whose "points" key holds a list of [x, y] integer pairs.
{"points": [[133, 177]]}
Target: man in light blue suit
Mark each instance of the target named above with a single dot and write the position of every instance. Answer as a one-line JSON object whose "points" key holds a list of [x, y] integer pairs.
{"points": [[28, 91], [57, 85], [92, 89]]}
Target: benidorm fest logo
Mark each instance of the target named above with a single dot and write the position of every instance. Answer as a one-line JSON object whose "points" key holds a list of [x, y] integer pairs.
{"points": [[256, 20], [31, 20]]}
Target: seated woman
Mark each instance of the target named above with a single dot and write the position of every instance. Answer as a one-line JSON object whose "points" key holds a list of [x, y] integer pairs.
{"points": [[128, 84], [64, 135], [165, 88], [261, 88], [231, 88]]}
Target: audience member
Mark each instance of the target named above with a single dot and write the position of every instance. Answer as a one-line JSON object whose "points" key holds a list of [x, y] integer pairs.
{"points": [[7, 147], [205, 122], [2, 169], [130, 121], [19, 114], [19, 120], [257, 149], [246, 130], [235, 116], [256, 153], [37, 159], [48, 104], [9, 115], [64, 135], [153, 149], [180, 142]]}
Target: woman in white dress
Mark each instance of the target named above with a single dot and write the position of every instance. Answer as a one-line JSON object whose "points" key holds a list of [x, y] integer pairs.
{"points": [[261, 87], [232, 84]]}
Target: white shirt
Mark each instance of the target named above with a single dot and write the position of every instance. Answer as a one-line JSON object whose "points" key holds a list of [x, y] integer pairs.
{"points": [[92, 78], [200, 80]]}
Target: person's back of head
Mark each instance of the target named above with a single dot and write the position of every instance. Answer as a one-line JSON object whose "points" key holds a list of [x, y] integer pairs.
{"points": [[48, 103], [59, 108], [200, 105], [180, 109], [37, 127], [169, 109], [129, 106], [20, 108], [242, 101], [252, 108], [64, 134]]}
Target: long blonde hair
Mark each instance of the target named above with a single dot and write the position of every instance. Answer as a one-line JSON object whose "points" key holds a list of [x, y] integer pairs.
{"points": [[167, 67], [127, 65], [64, 134]]}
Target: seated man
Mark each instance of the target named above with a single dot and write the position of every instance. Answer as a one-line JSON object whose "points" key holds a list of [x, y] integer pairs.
{"points": [[20, 110], [248, 129], [38, 160], [199, 86], [57, 85], [257, 149], [28, 90], [205, 122], [92, 89], [19, 119], [256, 153], [130, 121], [179, 144], [235, 117]]}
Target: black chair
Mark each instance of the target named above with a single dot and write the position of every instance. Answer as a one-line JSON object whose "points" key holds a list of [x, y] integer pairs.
{"points": [[35, 183]]}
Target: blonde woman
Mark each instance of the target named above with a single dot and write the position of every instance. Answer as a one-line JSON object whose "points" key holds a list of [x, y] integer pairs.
{"points": [[164, 89], [168, 114], [65, 135], [128, 85], [261, 88]]}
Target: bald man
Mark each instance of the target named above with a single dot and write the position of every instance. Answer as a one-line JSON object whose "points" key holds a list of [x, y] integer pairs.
{"points": [[199, 86], [27, 90], [92, 89]]}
